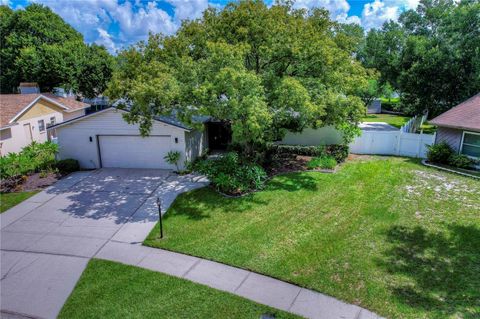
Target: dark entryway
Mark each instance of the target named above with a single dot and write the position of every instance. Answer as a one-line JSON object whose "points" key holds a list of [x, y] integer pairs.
{"points": [[219, 135]]}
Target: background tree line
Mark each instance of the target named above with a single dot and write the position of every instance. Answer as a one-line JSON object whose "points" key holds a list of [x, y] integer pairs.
{"points": [[431, 56], [38, 46]]}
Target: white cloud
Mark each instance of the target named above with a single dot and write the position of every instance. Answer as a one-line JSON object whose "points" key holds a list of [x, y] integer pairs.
{"points": [[188, 9], [105, 39], [379, 11], [136, 23], [115, 23], [338, 9], [5, 3], [374, 14], [134, 18]]}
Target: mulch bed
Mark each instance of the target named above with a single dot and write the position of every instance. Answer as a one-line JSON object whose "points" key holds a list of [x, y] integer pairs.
{"points": [[288, 164], [32, 182]]}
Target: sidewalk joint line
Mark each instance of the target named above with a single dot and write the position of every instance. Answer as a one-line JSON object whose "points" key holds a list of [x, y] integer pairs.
{"points": [[43, 253], [295, 299], [244, 279], [191, 267]]}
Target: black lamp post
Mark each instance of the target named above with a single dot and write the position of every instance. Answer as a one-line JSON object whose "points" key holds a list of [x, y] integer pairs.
{"points": [[159, 204]]}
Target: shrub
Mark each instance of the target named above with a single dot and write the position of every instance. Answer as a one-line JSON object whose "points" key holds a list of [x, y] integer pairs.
{"points": [[172, 158], [338, 151], [439, 153], [325, 162], [33, 158], [68, 165], [460, 160], [230, 175], [295, 149]]}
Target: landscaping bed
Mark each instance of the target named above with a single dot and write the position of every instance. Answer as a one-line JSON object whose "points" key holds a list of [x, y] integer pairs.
{"points": [[389, 234], [112, 290], [35, 167]]}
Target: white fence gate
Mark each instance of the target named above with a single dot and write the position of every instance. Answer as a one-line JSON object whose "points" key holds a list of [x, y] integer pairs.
{"points": [[392, 143]]}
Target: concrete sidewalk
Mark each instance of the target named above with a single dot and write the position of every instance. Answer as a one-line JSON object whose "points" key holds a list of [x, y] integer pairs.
{"points": [[262, 289]]}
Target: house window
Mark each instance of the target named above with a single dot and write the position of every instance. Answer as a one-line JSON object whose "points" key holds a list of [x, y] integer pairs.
{"points": [[41, 125], [471, 144], [5, 134], [52, 122]]}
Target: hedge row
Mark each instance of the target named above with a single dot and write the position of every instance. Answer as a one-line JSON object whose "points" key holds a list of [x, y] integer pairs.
{"points": [[338, 151]]}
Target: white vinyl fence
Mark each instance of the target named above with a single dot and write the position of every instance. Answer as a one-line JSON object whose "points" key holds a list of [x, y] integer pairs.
{"points": [[392, 143]]}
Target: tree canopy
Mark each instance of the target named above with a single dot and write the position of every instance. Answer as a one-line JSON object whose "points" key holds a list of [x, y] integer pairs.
{"points": [[262, 69], [38, 46], [431, 55]]}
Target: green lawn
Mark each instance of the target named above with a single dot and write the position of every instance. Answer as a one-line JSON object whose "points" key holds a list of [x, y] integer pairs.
{"points": [[112, 290], [392, 100], [8, 200], [428, 128], [392, 119], [389, 234]]}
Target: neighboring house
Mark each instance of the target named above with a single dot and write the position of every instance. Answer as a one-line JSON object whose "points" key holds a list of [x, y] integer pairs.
{"points": [[105, 139], [25, 117], [459, 127]]}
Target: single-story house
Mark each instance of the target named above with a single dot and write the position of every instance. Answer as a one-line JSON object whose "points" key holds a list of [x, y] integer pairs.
{"points": [[459, 127], [105, 139], [25, 117]]}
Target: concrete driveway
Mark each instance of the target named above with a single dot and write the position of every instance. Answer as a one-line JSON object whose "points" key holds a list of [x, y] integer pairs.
{"points": [[377, 126], [47, 240]]}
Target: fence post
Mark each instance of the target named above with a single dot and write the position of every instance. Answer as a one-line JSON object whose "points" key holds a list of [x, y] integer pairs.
{"points": [[420, 141], [399, 138]]}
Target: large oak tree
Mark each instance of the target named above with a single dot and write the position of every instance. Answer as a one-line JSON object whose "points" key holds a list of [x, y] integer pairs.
{"points": [[262, 69]]}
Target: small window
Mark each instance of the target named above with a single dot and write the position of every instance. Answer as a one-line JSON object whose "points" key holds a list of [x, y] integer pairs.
{"points": [[471, 144], [5, 134], [52, 120], [41, 125]]}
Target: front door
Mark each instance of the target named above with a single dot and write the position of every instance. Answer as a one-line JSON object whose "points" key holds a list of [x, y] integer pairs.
{"points": [[219, 135], [28, 133]]}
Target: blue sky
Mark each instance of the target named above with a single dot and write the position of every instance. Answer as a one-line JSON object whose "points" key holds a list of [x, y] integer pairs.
{"points": [[118, 23]]}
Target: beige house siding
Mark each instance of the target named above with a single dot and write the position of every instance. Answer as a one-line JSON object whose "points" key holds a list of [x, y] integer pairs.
{"points": [[40, 109], [16, 137], [452, 137]]}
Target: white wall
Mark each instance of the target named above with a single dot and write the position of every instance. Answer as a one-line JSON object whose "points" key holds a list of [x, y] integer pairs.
{"points": [[74, 138], [313, 137], [392, 143], [195, 144]]}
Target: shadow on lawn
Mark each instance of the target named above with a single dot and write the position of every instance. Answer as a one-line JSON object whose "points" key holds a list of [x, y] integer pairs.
{"points": [[443, 268], [292, 182], [198, 204]]}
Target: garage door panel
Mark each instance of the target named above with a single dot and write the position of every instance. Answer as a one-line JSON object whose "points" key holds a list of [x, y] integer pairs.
{"points": [[134, 151]]}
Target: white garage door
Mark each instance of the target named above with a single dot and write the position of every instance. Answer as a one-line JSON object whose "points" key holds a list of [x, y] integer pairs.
{"points": [[134, 151]]}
